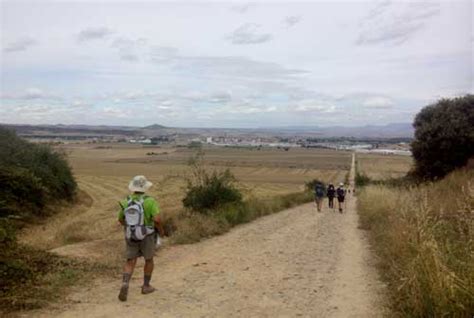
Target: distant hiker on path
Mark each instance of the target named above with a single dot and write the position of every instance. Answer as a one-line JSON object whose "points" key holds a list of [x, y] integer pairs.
{"points": [[341, 194], [331, 193], [318, 195], [140, 216]]}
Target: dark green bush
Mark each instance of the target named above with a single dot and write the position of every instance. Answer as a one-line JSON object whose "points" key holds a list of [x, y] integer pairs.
{"points": [[21, 193], [207, 191], [444, 137], [362, 180], [30, 176], [212, 191]]}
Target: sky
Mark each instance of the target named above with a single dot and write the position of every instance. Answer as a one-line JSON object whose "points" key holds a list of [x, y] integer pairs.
{"points": [[231, 64]]}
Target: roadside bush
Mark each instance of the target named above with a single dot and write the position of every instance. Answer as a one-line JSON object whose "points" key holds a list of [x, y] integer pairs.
{"points": [[424, 237], [30, 176], [213, 191], [361, 180], [207, 191], [444, 137], [21, 193]]}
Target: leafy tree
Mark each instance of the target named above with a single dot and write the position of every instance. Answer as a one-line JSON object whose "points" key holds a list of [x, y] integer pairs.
{"points": [[444, 137]]}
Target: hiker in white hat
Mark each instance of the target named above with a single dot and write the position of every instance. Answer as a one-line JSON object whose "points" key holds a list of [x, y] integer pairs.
{"points": [[140, 216]]}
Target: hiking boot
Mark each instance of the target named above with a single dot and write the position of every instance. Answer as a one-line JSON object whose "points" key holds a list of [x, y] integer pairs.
{"points": [[147, 289], [123, 293]]}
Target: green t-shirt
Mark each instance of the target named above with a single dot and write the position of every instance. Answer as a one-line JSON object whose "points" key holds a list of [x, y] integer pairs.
{"points": [[150, 208]]}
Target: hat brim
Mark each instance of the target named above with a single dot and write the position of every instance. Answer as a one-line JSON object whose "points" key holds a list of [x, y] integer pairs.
{"points": [[145, 188]]}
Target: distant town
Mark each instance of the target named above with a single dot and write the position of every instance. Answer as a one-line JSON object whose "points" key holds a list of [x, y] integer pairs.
{"points": [[357, 139]]}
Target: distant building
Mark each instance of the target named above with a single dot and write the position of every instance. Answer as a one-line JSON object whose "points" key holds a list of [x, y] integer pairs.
{"points": [[209, 140]]}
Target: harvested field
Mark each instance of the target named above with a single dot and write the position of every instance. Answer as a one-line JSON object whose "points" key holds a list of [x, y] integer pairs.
{"points": [[103, 172], [380, 167]]}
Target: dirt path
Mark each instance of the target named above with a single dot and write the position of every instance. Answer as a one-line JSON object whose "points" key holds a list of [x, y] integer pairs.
{"points": [[294, 263]]}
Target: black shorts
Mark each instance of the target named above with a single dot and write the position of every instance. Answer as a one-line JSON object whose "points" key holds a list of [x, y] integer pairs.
{"points": [[340, 199]]}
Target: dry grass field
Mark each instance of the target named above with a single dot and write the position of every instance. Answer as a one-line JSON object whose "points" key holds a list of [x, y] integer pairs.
{"points": [[424, 239], [380, 167], [104, 170]]}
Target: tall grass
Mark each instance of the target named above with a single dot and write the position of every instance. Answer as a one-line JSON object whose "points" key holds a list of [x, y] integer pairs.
{"points": [[423, 236]]}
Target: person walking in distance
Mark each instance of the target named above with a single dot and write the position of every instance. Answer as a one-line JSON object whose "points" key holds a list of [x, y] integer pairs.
{"points": [[331, 193], [318, 195], [341, 194], [140, 216]]}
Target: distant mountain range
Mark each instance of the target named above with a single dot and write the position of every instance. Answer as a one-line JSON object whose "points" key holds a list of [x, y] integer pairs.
{"points": [[396, 130]]}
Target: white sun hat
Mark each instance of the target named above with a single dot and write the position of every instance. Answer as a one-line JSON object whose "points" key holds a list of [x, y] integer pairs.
{"points": [[341, 184], [139, 184]]}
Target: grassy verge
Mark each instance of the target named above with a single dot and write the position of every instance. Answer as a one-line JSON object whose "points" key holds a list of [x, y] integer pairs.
{"points": [[31, 278], [192, 227], [424, 237]]}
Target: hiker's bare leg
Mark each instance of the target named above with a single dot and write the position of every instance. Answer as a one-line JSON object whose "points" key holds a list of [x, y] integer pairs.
{"points": [[149, 265], [130, 266], [147, 271], [127, 274]]}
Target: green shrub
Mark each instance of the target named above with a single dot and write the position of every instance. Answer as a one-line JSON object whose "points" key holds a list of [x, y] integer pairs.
{"points": [[21, 192], [444, 137], [30, 176], [208, 191], [215, 190], [361, 180]]}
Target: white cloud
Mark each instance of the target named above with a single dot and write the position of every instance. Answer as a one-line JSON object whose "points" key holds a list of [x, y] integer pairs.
{"points": [[378, 102], [21, 44], [395, 22], [314, 106], [291, 21], [34, 93], [242, 8], [249, 33], [94, 33]]}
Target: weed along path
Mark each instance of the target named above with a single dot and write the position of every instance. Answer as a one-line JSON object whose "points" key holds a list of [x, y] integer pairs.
{"points": [[294, 263]]}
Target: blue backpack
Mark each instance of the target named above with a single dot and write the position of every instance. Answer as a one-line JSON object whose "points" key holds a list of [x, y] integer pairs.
{"points": [[319, 190]]}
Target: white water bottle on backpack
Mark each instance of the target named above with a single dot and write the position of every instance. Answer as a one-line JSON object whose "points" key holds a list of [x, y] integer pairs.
{"points": [[158, 241]]}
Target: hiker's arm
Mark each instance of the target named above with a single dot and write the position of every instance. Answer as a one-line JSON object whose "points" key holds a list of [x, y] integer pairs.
{"points": [[158, 225]]}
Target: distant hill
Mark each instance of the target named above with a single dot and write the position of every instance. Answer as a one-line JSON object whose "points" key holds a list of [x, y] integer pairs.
{"points": [[155, 126], [396, 130]]}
